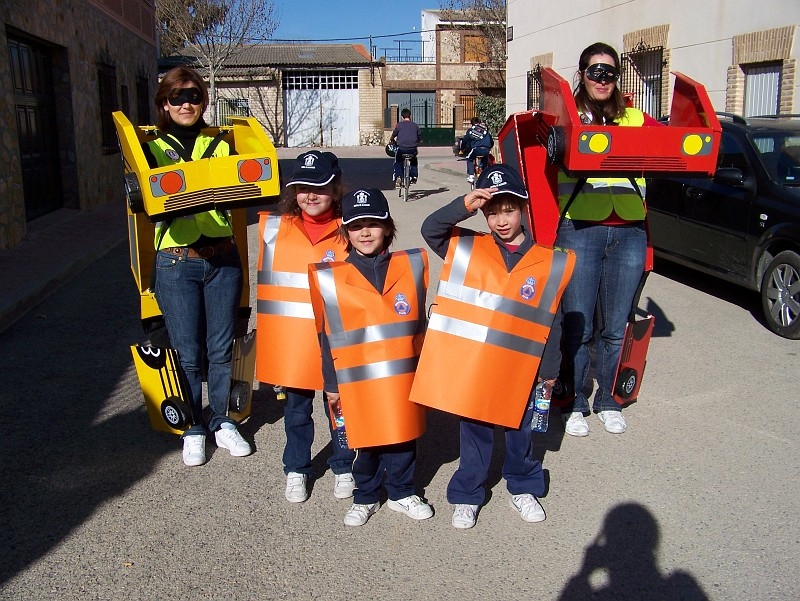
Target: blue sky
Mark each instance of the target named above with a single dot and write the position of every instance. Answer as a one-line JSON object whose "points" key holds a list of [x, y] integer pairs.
{"points": [[318, 20]]}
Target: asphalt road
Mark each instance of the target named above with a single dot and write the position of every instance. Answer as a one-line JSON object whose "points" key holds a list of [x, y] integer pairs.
{"points": [[697, 500]]}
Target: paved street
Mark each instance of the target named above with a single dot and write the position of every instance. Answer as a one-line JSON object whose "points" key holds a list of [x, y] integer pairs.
{"points": [[697, 500]]}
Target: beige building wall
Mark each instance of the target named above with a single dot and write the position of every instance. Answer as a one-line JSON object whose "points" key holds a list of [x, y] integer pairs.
{"points": [[708, 41]]}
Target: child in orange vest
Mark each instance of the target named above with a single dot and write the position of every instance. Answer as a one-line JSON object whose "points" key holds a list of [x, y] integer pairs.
{"points": [[303, 231], [501, 195], [370, 312]]}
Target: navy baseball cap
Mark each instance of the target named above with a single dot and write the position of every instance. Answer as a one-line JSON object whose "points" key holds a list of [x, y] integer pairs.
{"points": [[504, 178], [315, 168], [366, 203]]}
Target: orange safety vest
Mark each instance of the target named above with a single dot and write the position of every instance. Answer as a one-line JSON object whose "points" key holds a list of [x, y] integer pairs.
{"points": [[287, 348], [488, 328], [375, 341]]}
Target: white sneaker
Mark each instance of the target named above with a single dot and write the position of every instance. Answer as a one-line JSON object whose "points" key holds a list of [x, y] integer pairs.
{"points": [[343, 486], [194, 450], [358, 514], [229, 438], [528, 507], [470, 178], [464, 516], [412, 506], [296, 491], [576, 424], [613, 421]]}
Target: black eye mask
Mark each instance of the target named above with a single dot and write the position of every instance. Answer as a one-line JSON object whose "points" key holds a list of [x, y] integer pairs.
{"points": [[602, 73], [184, 95]]}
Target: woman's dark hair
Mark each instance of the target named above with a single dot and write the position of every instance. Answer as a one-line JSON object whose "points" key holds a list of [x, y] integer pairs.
{"points": [[176, 78], [288, 202], [611, 109], [391, 233]]}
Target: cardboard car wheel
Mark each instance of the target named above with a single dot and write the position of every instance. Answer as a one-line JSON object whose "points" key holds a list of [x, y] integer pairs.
{"points": [[133, 193], [626, 382], [240, 396], [556, 145], [176, 413]]}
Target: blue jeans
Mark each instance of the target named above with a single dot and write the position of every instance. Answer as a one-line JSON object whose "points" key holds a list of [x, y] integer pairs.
{"points": [[396, 461], [609, 264], [299, 427], [397, 171], [523, 474], [199, 299], [479, 151]]}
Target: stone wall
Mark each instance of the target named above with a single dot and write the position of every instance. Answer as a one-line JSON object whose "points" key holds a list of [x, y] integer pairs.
{"points": [[370, 110], [81, 34]]}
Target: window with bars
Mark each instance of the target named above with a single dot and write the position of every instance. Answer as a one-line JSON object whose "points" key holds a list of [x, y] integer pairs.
{"points": [[641, 77], [762, 86], [142, 101], [107, 81], [320, 80], [469, 106], [534, 96], [232, 107]]}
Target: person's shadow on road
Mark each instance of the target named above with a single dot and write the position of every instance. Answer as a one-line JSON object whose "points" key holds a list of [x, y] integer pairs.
{"points": [[621, 563]]}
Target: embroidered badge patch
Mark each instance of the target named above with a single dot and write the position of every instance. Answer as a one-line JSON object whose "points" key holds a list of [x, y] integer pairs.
{"points": [[528, 289], [401, 305], [329, 257], [172, 154]]}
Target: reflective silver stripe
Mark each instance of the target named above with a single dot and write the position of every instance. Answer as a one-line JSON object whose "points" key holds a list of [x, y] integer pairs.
{"points": [[485, 335], [379, 333], [271, 228], [496, 302], [415, 256], [557, 267], [287, 279], [327, 288], [379, 369], [267, 275], [285, 309], [458, 268]]}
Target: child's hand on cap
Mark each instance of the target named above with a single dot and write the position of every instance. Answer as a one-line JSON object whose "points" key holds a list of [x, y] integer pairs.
{"points": [[477, 198]]}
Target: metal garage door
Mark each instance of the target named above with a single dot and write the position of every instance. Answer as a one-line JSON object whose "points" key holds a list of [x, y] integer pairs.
{"points": [[321, 108]]}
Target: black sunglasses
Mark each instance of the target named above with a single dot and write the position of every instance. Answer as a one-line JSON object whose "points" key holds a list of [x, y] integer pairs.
{"points": [[183, 95], [602, 73]]}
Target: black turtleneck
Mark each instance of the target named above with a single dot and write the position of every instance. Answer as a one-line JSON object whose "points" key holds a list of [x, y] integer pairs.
{"points": [[185, 135]]}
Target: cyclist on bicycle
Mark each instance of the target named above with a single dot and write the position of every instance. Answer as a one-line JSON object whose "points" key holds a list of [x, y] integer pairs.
{"points": [[476, 143], [407, 136]]}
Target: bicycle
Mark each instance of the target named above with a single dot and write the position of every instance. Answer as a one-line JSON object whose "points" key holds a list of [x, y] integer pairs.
{"points": [[405, 181], [478, 160]]}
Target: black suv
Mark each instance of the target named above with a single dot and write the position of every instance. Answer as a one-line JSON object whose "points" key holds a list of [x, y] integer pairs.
{"points": [[744, 224]]}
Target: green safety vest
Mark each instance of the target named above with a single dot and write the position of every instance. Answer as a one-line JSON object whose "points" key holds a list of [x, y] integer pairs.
{"points": [[184, 230], [599, 196]]}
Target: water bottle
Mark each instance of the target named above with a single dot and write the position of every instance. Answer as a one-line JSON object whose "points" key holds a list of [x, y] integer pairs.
{"points": [[541, 406], [340, 434], [280, 393]]}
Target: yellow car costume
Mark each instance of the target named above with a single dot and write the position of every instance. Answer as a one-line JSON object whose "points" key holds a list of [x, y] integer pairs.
{"points": [[228, 184]]}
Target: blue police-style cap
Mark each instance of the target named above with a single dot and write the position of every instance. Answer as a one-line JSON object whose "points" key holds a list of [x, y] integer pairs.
{"points": [[315, 168], [504, 178], [363, 204]]}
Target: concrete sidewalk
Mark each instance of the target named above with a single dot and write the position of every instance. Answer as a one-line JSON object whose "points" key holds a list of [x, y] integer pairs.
{"points": [[60, 245]]}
